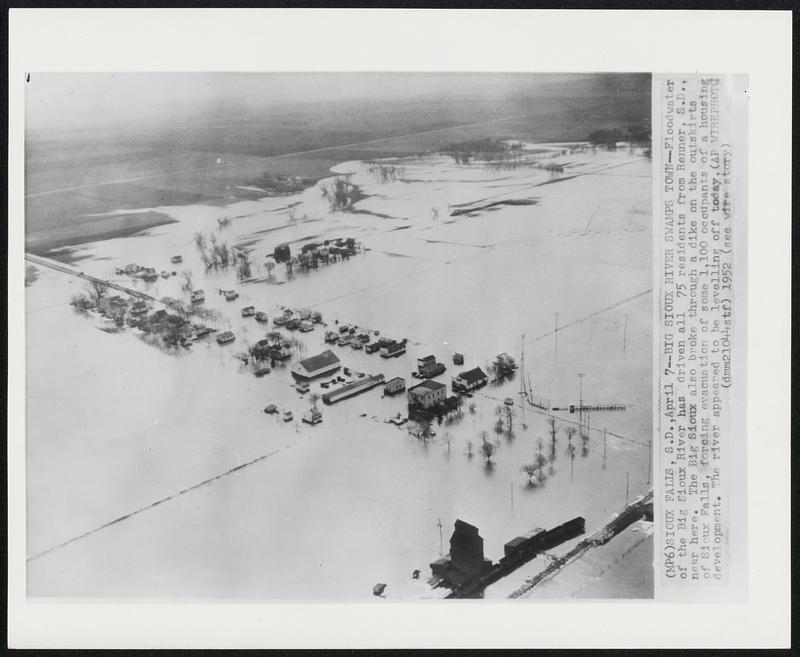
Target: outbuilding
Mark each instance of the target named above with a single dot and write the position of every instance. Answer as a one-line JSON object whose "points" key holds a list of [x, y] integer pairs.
{"points": [[395, 385], [470, 380]]}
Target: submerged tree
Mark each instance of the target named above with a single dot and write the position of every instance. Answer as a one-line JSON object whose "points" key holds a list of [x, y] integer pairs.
{"points": [[341, 195], [208, 315], [585, 441], [551, 425], [243, 271], [81, 302], [447, 439], [530, 469], [509, 412], [571, 460], [536, 468], [487, 450], [498, 425], [270, 265], [96, 290], [570, 431]]}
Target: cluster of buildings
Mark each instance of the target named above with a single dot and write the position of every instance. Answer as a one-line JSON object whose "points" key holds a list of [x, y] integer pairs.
{"points": [[426, 399], [175, 328], [313, 254], [145, 273], [429, 397]]}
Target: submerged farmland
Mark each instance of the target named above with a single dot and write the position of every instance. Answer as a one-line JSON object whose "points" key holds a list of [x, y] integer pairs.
{"points": [[180, 485]]}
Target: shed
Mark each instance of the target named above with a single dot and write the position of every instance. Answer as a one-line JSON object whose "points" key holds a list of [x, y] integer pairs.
{"points": [[395, 385]]}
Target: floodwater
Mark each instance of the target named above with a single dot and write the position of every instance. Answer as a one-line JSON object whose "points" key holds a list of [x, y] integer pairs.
{"points": [[118, 430]]}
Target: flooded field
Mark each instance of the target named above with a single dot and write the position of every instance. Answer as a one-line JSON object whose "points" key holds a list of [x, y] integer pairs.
{"points": [[133, 481]]}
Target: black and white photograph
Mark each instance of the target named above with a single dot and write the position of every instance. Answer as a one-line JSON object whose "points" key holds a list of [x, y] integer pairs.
{"points": [[395, 328], [275, 353]]}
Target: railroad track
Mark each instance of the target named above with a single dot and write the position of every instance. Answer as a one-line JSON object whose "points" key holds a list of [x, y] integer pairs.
{"points": [[71, 271], [630, 514]]}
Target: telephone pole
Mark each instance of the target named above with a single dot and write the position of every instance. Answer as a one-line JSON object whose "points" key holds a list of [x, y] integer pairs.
{"points": [[625, 334], [556, 334], [627, 486]]}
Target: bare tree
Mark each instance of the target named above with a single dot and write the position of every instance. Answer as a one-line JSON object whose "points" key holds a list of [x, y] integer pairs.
{"points": [[274, 336], [341, 195], [208, 315], [222, 254], [270, 265], [509, 412], [536, 468], [96, 290], [314, 399], [541, 461], [81, 302], [187, 285], [498, 425], [571, 460], [551, 424], [206, 259], [487, 450], [530, 470], [243, 271], [570, 431]]}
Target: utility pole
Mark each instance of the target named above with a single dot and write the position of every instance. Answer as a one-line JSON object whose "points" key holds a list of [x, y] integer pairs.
{"points": [[627, 486], [523, 391], [441, 545], [511, 487], [604, 447], [625, 334], [580, 401], [556, 334], [649, 459]]}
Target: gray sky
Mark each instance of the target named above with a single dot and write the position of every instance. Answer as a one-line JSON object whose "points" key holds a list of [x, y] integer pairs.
{"points": [[95, 100]]}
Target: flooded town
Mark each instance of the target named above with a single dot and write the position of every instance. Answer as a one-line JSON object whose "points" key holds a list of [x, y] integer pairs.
{"points": [[365, 367]]}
